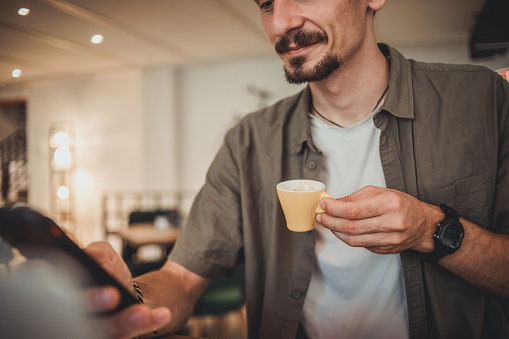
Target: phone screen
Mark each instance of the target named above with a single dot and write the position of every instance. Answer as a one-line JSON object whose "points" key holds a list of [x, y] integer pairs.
{"points": [[37, 236]]}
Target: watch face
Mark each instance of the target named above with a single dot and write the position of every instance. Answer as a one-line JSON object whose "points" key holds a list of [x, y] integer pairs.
{"points": [[451, 236]]}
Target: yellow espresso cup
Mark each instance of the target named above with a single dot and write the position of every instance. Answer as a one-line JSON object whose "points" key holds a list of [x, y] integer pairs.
{"points": [[300, 200]]}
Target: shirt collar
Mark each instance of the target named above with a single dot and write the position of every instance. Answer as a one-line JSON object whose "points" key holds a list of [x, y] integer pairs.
{"points": [[301, 124], [399, 100]]}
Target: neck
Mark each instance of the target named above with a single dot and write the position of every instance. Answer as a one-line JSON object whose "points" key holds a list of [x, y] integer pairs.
{"points": [[349, 95]]}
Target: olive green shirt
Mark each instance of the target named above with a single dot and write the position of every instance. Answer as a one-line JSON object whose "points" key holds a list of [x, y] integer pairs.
{"points": [[444, 139]]}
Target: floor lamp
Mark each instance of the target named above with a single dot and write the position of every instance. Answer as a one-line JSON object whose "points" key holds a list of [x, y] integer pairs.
{"points": [[62, 163]]}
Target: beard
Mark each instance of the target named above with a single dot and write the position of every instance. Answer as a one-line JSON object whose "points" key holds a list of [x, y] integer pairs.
{"points": [[295, 71]]}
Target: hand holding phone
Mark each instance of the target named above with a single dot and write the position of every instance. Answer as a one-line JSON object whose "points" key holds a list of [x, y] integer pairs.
{"points": [[37, 236]]}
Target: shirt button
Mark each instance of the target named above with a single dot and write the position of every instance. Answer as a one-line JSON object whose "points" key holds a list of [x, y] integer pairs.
{"points": [[312, 165], [296, 294]]}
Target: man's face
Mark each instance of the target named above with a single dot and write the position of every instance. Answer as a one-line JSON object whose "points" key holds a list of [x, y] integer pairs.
{"points": [[313, 37]]}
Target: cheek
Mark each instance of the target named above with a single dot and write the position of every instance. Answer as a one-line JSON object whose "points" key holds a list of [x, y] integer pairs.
{"points": [[268, 32], [347, 35]]}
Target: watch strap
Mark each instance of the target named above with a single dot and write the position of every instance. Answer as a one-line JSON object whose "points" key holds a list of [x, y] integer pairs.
{"points": [[449, 213], [440, 250], [438, 253]]}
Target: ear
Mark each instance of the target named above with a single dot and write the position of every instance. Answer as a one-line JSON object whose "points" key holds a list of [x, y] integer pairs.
{"points": [[376, 5]]}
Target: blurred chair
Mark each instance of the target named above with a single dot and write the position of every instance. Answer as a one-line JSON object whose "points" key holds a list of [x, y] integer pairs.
{"points": [[173, 216], [221, 297], [133, 255]]}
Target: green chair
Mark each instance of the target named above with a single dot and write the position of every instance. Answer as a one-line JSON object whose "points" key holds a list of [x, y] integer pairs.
{"points": [[221, 297], [129, 253], [173, 216]]}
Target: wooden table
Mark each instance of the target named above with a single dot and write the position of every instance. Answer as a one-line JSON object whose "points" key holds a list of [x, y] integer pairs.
{"points": [[145, 233]]}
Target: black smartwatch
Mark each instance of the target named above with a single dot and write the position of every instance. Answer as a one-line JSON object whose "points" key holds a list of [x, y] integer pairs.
{"points": [[448, 236]]}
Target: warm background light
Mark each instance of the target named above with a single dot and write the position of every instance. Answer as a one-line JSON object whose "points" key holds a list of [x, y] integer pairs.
{"points": [[63, 192], [60, 139], [61, 150], [23, 11], [62, 158], [16, 73], [97, 39]]}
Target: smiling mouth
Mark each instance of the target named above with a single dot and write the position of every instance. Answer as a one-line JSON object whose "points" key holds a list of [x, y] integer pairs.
{"points": [[296, 49], [299, 42]]}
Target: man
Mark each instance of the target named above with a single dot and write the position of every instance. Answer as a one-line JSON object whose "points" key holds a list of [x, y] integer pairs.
{"points": [[393, 139]]}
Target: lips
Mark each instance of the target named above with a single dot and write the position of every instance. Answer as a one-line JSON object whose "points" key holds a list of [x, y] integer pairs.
{"points": [[299, 40]]}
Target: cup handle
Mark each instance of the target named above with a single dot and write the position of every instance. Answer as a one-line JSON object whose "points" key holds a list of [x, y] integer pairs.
{"points": [[323, 195]]}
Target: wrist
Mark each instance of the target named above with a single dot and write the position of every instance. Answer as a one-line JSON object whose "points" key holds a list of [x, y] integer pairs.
{"points": [[139, 295], [433, 217], [447, 237]]}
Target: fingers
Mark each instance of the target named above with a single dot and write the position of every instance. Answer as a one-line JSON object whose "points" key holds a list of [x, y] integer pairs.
{"points": [[101, 299], [101, 251], [381, 223], [349, 227], [110, 260], [127, 323], [382, 220], [366, 203], [133, 321], [381, 243]]}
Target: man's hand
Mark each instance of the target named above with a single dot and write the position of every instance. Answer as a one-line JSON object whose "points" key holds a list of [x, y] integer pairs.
{"points": [[131, 321], [382, 220]]}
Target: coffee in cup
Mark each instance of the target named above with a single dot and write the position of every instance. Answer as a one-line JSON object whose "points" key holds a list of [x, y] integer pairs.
{"points": [[300, 200]]}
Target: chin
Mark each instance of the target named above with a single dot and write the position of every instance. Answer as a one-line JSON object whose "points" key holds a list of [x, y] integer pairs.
{"points": [[299, 71]]}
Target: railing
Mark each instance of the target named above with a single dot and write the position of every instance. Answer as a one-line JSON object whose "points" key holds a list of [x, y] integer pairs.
{"points": [[117, 205], [14, 174]]}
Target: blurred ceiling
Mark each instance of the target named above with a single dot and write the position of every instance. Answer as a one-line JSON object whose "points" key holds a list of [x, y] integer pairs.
{"points": [[53, 41]]}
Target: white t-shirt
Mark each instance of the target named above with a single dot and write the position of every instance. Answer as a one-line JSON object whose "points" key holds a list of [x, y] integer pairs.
{"points": [[353, 293]]}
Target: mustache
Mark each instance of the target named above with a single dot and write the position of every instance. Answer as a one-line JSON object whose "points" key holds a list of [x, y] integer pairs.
{"points": [[300, 39]]}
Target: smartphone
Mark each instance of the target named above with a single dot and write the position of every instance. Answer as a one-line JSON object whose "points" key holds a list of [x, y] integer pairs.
{"points": [[37, 236]]}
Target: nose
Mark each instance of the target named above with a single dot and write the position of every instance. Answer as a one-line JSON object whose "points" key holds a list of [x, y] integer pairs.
{"points": [[285, 17]]}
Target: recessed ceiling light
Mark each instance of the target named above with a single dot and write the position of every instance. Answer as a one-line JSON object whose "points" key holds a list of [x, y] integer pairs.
{"points": [[23, 11], [97, 39], [16, 73]]}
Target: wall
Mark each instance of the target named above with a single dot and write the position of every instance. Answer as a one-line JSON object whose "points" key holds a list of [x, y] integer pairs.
{"points": [[213, 97], [106, 111], [454, 51], [160, 134]]}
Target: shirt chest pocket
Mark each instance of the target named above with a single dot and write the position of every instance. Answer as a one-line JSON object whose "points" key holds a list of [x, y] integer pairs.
{"points": [[471, 197]]}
